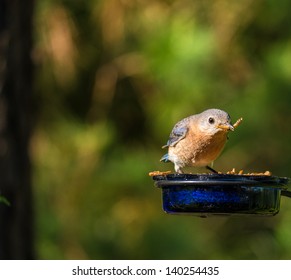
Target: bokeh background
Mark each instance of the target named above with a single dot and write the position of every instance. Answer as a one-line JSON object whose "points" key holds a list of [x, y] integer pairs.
{"points": [[112, 78]]}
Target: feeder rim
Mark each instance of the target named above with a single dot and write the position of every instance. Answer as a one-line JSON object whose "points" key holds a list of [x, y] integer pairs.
{"points": [[220, 179]]}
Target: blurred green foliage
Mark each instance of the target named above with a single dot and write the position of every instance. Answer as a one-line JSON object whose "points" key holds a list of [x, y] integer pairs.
{"points": [[4, 200], [113, 76]]}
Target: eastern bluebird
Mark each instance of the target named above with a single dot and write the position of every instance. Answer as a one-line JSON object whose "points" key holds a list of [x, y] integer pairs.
{"points": [[199, 139]]}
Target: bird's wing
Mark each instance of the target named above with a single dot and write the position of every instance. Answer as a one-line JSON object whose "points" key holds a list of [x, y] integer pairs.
{"points": [[178, 133]]}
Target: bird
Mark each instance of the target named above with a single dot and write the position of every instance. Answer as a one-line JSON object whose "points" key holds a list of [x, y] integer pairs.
{"points": [[198, 140]]}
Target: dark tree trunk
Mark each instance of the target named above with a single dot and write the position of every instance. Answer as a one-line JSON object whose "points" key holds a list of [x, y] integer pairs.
{"points": [[16, 71]]}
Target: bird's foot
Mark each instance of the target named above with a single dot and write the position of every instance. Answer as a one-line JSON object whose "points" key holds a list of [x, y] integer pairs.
{"points": [[211, 169]]}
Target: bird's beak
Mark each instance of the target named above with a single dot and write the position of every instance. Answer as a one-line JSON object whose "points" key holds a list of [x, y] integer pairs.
{"points": [[226, 127]]}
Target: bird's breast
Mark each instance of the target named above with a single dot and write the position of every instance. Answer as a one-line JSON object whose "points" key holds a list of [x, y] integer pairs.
{"points": [[199, 151], [209, 149]]}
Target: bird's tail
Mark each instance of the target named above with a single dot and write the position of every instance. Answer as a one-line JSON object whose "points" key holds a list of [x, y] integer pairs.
{"points": [[165, 158]]}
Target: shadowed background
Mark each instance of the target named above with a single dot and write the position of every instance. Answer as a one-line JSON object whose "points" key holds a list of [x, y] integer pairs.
{"points": [[111, 79]]}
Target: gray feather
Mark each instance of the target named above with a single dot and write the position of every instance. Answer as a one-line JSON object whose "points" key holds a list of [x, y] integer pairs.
{"points": [[178, 133], [165, 158]]}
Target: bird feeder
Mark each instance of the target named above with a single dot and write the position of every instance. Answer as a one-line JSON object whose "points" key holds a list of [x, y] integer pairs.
{"points": [[222, 194]]}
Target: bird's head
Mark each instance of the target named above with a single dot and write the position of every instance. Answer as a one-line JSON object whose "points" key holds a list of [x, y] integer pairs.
{"points": [[213, 121]]}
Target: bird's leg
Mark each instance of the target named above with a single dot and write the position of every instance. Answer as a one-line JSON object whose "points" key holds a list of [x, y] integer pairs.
{"points": [[211, 169], [178, 169]]}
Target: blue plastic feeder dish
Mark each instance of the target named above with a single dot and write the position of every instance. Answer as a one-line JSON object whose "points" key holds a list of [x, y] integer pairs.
{"points": [[221, 194]]}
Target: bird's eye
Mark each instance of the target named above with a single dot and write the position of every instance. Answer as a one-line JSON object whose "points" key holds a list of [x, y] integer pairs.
{"points": [[211, 120]]}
